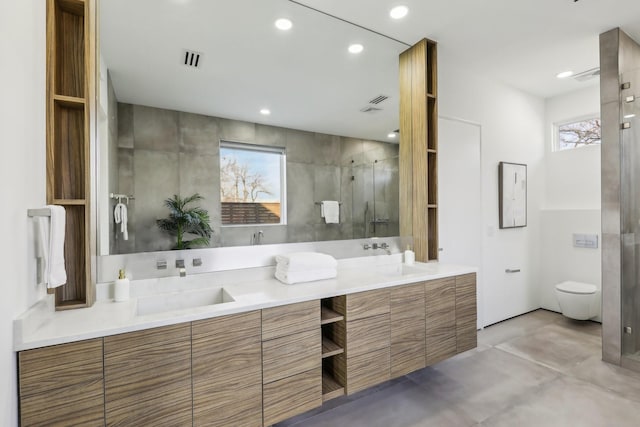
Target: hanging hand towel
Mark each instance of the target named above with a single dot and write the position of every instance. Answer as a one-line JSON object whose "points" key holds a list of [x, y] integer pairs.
{"points": [[330, 210], [52, 241], [120, 217]]}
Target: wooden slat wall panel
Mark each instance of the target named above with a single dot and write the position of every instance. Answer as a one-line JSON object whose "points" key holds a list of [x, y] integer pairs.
{"points": [[440, 298], [408, 329], [148, 377], [226, 367], [289, 319], [286, 356], [418, 135], [419, 149], [466, 312], [292, 396], [363, 304], [405, 150], [62, 385]]}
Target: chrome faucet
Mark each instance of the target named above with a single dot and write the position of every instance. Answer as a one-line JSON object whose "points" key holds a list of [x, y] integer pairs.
{"points": [[181, 268]]}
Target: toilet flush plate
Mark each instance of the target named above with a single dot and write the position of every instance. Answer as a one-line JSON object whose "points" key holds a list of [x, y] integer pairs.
{"points": [[585, 241]]}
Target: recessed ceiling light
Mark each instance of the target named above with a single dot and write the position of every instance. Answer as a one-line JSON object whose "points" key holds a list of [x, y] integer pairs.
{"points": [[399, 12], [391, 135], [265, 111], [284, 24], [564, 74], [356, 48]]}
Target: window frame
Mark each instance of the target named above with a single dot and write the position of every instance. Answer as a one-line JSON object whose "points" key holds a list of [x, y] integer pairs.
{"points": [[246, 146], [556, 131]]}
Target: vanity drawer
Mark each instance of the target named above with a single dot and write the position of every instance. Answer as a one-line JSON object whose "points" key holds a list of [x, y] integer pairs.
{"points": [[290, 319], [440, 304], [363, 304], [230, 404], [290, 355], [291, 396], [367, 370], [407, 302], [466, 313], [366, 335], [408, 346], [227, 331]]}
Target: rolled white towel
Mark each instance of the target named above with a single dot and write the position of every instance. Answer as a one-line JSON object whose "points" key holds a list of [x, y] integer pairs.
{"points": [[303, 261], [291, 277]]}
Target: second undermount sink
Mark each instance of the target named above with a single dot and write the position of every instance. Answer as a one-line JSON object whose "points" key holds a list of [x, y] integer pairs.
{"points": [[182, 300]]}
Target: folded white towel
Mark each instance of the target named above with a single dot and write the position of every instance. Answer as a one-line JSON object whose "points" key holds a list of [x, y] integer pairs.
{"points": [[120, 217], [52, 231], [302, 261], [330, 211], [291, 277]]}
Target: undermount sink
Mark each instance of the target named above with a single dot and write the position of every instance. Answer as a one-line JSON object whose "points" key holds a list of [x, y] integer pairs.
{"points": [[182, 300], [401, 270]]}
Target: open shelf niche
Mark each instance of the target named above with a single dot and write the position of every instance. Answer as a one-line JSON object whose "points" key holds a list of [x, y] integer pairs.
{"points": [[70, 38], [333, 332]]}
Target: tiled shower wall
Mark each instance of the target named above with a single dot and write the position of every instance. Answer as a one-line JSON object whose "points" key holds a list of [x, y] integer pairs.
{"points": [[164, 152]]}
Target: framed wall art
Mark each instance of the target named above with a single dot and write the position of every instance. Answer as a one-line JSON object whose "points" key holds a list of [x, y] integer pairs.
{"points": [[512, 194]]}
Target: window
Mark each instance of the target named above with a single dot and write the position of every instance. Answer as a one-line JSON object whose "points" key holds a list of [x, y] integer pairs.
{"points": [[252, 184], [578, 133]]}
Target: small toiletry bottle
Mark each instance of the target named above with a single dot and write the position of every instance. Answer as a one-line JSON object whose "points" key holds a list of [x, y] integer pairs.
{"points": [[121, 287], [409, 256]]}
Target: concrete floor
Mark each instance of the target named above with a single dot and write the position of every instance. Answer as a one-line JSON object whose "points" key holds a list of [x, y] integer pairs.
{"points": [[539, 369]]}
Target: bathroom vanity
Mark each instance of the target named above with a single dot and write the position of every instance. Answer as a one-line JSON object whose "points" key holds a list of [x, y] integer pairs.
{"points": [[270, 352]]}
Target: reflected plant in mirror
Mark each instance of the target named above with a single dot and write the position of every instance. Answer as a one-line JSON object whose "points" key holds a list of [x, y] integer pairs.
{"points": [[185, 220]]}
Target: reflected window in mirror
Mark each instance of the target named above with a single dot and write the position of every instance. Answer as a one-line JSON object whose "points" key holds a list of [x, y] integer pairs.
{"points": [[252, 184]]}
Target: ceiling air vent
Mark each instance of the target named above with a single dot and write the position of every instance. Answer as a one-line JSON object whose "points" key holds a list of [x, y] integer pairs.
{"points": [[192, 59], [369, 109], [378, 99], [587, 75]]}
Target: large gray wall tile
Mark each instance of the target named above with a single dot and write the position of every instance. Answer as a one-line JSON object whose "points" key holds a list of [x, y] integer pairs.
{"points": [[155, 129], [198, 134]]}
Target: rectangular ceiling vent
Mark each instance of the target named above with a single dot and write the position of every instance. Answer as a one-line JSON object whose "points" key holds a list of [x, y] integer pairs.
{"points": [[192, 58], [378, 99], [587, 75], [371, 110]]}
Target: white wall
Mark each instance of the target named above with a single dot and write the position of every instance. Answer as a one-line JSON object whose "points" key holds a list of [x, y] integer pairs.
{"points": [[512, 130], [572, 199], [22, 133]]}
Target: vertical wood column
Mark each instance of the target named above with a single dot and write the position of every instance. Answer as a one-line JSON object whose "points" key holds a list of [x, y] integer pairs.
{"points": [[70, 92], [418, 148]]}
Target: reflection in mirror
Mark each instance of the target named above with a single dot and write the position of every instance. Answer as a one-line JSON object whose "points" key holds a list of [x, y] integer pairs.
{"points": [[162, 123]]}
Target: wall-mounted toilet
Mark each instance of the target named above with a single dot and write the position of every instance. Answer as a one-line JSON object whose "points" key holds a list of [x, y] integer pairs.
{"points": [[578, 300]]}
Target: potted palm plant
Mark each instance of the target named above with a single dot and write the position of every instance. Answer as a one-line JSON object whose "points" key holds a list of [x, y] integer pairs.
{"points": [[184, 220]]}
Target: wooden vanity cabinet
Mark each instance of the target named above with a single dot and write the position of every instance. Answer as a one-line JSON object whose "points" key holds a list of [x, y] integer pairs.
{"points": [[466, 313], [226, 369], [440, 306], [62, 385], [408, 329], [147, 376], [291, 360], [367, 354]]}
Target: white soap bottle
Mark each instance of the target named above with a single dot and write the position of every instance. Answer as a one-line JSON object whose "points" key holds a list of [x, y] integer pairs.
{"points": [[121, 287], [409, 256]]}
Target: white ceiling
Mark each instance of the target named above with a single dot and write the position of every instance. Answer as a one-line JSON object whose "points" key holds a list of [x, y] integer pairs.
{"points": [[307, 78]]}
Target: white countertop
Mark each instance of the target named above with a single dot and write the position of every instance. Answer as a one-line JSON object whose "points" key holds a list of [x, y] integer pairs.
{"points": [[252, 289]]}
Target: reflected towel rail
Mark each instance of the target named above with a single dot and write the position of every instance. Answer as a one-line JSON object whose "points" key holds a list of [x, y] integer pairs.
{"points": [[319, 203]]}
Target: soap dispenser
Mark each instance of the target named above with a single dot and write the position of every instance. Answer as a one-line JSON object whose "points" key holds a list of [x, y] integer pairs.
{"points": [[409, 256], [121, 287]]}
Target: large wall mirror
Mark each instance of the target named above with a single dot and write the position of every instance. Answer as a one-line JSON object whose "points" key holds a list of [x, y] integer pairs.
{"points": [[181, 87]]}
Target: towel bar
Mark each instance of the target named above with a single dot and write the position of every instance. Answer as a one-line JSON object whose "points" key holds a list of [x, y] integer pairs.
{"points": [[38, 212], [319, 203]]}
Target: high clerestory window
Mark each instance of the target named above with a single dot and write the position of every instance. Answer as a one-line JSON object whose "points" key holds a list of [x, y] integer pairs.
{"points": [[578, 133], [252, 184]]}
